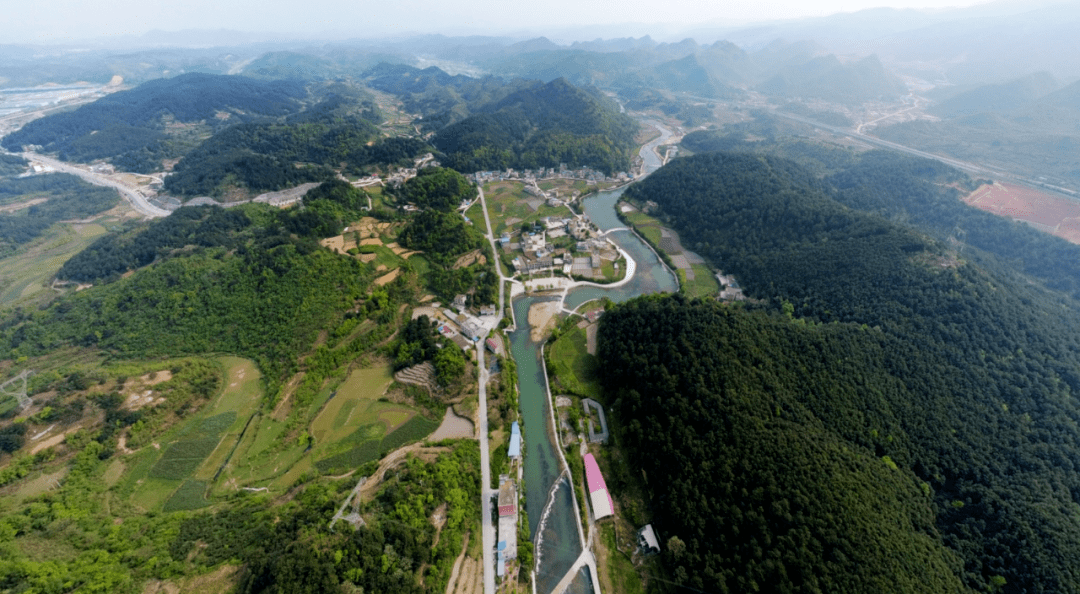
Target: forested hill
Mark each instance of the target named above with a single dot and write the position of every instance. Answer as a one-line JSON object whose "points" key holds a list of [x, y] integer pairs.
{"points": [[541, 126], [338, 133], [920, 192], [251, 280], [441, 98], [888, 417], [127, 121]]}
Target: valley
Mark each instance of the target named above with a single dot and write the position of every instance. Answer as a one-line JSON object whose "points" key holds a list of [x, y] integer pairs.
{"points": [[735, 313]]}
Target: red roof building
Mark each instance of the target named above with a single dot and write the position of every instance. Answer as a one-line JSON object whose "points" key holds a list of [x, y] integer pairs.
{"points": [[602, 504], [507, 499]]}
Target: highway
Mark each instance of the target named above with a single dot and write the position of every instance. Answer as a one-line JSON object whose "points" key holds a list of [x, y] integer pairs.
{"points": [[874, 141], [135, 198]]}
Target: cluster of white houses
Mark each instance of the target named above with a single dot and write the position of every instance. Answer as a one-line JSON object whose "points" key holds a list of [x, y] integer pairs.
{"points": [[562, 172], [538, 255]]}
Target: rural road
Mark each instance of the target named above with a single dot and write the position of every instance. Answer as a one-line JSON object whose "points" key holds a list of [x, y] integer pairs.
{"points": [[486, 492], [136, 199]]}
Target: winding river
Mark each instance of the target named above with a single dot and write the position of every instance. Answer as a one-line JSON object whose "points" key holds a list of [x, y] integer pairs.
{"points": [[548, 498]]}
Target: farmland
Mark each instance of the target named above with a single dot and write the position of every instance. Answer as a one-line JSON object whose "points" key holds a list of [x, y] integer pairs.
{"points": [[190, 454], [509, 206], [24, 276], [356, 427], [1054, 214], [695, 276]]}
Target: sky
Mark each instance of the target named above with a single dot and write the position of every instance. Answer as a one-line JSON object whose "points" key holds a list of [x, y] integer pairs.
{"points": [[66, 21]]}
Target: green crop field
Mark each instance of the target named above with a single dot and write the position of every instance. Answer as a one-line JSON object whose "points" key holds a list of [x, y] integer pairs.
{"points": [[190, 495], [191, 452], [572, 365], [645, 225], [414, 429], [351, 458], [704, 283], [182, 457], [240, 398], [355, 427], [152, 493]]}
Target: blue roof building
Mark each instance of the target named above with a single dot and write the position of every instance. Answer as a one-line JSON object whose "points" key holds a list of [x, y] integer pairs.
{"points": [[515, 441]]}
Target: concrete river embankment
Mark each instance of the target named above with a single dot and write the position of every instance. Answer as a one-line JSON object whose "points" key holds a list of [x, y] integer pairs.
{"points": [[548, 495]]}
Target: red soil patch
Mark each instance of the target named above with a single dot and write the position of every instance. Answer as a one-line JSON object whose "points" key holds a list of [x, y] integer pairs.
{"points": [[1053, 214]]}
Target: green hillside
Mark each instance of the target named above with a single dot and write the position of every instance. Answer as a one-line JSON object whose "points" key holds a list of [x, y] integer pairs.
{"points": [[129, 125], [542, 126], [883, 405]]}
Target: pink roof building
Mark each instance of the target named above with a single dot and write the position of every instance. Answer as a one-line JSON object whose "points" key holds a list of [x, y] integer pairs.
{"points": [[602, 504]]}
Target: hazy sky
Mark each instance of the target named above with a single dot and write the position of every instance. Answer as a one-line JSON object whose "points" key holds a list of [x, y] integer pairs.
{"points": [[60, 21]]}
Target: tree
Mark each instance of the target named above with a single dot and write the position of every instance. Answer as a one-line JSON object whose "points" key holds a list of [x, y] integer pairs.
{"points": [[449, 364]]}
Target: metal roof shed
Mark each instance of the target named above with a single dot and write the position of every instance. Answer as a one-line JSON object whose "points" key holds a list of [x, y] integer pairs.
{"points": [[515, 441], [602, 504]]}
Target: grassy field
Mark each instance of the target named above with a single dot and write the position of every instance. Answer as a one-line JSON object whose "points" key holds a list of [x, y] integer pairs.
{"points": [[508, 201], [384, 256], [355, 427], [24, 276], [572, 364], [350, 428], [704, 283], [648, 226], [152, 493], [621, 575], [355, 405]]}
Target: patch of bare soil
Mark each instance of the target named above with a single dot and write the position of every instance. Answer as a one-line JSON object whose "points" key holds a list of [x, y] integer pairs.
{"points": [[590, 339], [48, 443], [22, 205], [222, 579], [386, 278], [469, 259], [281, 412], [456, 573], [542, 318], [468, 578], [453, 427]]}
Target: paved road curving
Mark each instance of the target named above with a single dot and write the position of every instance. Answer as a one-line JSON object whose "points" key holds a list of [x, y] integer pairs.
{"points": [[135, 198]]}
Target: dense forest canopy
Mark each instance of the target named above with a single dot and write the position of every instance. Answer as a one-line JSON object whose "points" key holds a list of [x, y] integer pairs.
{"points": [[440, 98], [541, 126], [437, 187], [488, 124], [11, 165], [934, 390], [922, 193], [261, 157], [133, 119]]}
